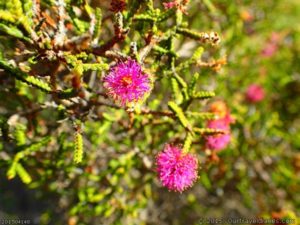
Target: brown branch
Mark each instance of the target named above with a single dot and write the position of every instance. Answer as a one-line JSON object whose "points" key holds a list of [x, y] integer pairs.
{"points": [[215, 64], [102, 49], [143, 111], [119, 37], [158, 113]]}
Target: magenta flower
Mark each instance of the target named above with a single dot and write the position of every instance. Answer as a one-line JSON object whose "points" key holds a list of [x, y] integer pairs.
{"points": [[127, 83], [275, 37], [177, 4], [255, 93], [169, 5], [219, 141], [176, 170], [269, 50], [271, 47]]}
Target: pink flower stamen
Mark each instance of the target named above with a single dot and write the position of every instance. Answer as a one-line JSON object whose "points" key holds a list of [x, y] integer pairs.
{"points": [[127, 83], [176, 170], [255, 93]]}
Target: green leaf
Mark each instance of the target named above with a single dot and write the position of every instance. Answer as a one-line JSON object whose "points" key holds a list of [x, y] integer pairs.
{"points": [[78, 147], [211, 37], [144, 17], [204, 95], [12, 171], [7, 16], [192, 85], [15, 6], [198, 53], [20, 135], [183, 85], [180, 81], [36, 146], [180, 115], [205, 180], [177, 94], [188, 142], [20, 75], [202, 115], [95, 66], [98, 15], [13, 31], [208, 131], [179, 17], [32, 148], [23, 174]]}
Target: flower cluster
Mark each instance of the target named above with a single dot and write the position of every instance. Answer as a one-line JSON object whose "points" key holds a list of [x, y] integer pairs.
{"points": [[127, 83], [255, 93], [219, 141], [272, 46], [176, 170], [177, 4], [219, 108]]}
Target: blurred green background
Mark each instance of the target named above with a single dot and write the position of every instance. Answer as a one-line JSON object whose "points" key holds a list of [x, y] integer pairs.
{"points": [[258, 175]]}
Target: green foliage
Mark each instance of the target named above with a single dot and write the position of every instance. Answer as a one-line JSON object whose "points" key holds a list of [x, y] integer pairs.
{"points": [[206, 131], [188, 142], [78, 147], [177, 94], [20, 75], [20, 134], [23, 174], [53, 57], [12, 171], [212, 37], [203, 94], [13, 31], [98, 18], [16, 167], [7, 16], [180, 115]]}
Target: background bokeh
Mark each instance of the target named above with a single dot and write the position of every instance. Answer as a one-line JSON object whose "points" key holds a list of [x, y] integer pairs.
{"points": [[256, 176]]}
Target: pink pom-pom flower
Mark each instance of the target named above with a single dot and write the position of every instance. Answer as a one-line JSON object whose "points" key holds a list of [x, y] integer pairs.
{"points": [[269, 50], [169, 5], [255, 93], [219, 141], [176, 170], [272, 46], [127, 83]]}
